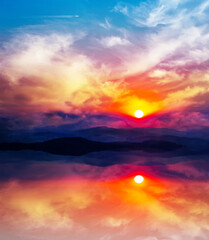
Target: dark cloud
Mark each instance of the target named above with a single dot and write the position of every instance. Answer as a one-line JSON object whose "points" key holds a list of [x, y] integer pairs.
{"points": [[22, 98], [63, 115], [201, 104], [4, 123], [4, 83]]}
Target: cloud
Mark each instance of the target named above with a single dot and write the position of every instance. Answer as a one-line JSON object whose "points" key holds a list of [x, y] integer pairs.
{"points": [[113, 222], [114, 41], [183, 98], [62, 115], [152, 13], [62, 16], [46, 72], [163, 76], [181, 120], [169, 44], [106, 24], [77, 73]]}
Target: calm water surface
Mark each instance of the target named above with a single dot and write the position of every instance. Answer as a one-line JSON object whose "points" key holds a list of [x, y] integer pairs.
{"points": [[95, 197]]}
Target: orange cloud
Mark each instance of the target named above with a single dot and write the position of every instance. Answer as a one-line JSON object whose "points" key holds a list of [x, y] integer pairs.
{"points": [[148, 101]]}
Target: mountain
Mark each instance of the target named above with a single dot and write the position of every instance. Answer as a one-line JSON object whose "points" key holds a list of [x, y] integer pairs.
{"points": [[77, 146], [101, 134]]}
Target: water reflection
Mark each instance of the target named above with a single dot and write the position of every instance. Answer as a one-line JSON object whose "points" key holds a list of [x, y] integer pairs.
{"points": [[63, 200]]}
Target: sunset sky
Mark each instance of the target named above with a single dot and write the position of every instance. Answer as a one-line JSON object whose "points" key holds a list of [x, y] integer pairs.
{"points": [[92, 94], [94, 63]]}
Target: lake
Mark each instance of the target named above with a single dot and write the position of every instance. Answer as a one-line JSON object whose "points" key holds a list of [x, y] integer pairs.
{"points": [[44, 196]]}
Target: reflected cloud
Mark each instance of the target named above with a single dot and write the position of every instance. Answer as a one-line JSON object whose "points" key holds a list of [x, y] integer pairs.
{"points": [[104, 209]]}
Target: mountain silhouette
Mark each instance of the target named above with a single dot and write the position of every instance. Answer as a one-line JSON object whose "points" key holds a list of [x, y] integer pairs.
{"points": [[77, 146]]}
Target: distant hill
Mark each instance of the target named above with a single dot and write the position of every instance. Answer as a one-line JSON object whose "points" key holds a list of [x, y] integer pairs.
{"points": [[100, 134], [76, 146]]}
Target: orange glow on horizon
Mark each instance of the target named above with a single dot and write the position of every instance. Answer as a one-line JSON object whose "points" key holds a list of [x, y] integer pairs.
{"points": [[135, 102]]}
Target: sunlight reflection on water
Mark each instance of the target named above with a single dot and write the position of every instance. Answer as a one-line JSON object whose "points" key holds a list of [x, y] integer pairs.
{"points": [[62, 200]]}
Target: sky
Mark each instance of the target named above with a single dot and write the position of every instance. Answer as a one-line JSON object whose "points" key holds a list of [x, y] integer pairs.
{"points": [[70, 65], [94, 63]]}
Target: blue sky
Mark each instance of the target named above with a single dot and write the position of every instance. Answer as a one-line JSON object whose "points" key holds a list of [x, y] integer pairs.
{"points": [[19, 13], [22, 12]]}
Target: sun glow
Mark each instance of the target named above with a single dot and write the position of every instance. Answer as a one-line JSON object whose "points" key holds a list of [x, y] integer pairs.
{"points": [[139, 114], [138, 179]]}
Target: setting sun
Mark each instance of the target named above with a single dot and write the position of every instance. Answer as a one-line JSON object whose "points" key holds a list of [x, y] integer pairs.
{"points": [[138, 179], [139, 114]]}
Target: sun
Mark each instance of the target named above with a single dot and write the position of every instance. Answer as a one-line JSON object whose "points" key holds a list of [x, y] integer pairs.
{"points": [[139, 114], [138, 179]]}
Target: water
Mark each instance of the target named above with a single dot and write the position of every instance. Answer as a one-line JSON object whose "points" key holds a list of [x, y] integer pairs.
{"points": [[94, 197]]}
